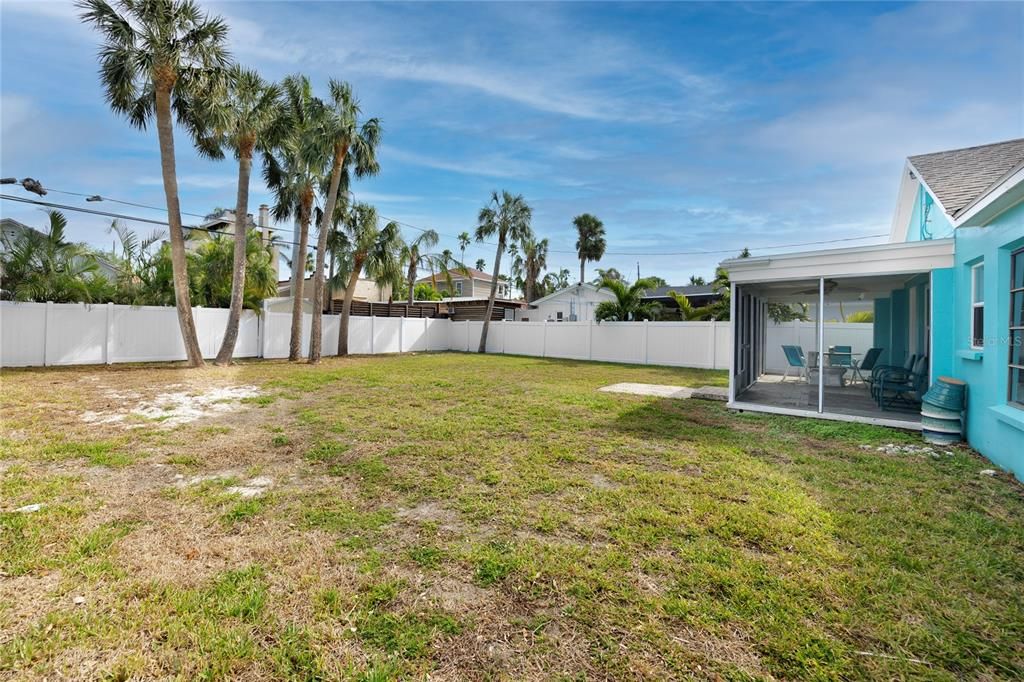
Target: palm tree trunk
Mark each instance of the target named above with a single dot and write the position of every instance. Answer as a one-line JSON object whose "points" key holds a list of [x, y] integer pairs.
{"points": [[295, 342], [346, 306], [583, 263], [490, 298], [412, 280], [227, 347], [321, 252], [179, 261]]}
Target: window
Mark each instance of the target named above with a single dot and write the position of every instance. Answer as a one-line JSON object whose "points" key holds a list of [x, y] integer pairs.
{"points": [[1017, 328], [458, 288], [978, 306]]}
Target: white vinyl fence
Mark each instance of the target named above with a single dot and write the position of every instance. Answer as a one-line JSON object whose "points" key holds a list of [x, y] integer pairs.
{"points": [[859, 336], [42, 334]]}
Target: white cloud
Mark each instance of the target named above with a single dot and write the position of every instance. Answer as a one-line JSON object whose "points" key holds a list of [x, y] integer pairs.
{"points": [[490, 165], [196, 180]]}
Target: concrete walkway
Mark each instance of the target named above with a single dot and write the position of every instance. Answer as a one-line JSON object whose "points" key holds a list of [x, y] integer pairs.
{"points": [[663, 391]]}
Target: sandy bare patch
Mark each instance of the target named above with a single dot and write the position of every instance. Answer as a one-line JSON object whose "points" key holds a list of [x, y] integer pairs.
{"points": [[171, 409], [457, 596], [431, 512]]}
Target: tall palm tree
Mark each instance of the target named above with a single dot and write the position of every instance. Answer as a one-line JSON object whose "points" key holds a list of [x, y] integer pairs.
{"points": [[534, 261], [243, 115], [413, 257], [464, 241], [628, 304], [481, 264], [351, 144], [507, 216], [156, 55], [371, 248], [590, 243], [292, 171]]}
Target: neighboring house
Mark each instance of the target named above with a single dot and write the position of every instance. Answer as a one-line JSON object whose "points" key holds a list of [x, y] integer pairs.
{"points": [[949, 285], [224, 223], [468, 283], [698, 294], [572, 304], [366, 290]]}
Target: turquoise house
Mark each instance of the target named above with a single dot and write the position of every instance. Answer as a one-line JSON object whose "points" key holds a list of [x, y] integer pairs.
{"points": [[947, 292]]}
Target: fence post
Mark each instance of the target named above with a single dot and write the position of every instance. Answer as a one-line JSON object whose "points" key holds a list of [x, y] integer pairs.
{"points": [[504, 333], [47, 325], [714, 345], [647, 336], [401, 331], [544, 342], [108, 340], [372, 328], [590, 338]]}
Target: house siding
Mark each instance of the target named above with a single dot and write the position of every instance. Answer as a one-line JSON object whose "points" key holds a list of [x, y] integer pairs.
{"points": [[994, 428]]}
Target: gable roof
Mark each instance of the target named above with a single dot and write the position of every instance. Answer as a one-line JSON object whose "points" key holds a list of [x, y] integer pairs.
{"points": [[573, 287], [460, 273], [959, 177]]}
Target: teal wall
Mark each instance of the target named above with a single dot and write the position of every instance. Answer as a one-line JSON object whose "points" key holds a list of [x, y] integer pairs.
{"points": [[937, 225], [994, 428], [893, 322]]}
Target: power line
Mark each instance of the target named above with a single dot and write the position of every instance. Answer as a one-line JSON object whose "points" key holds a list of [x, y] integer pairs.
{"points": [[137, 219], [423, 229]]}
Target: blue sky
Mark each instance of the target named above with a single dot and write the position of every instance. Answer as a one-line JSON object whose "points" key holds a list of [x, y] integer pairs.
{"points": [[684, 127]]}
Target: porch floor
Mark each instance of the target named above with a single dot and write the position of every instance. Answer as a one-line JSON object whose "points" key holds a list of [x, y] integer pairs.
{"points": [[851, 400]]}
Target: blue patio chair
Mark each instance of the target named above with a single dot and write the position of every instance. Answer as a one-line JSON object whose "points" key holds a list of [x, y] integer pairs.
{"points": [[795, 358], [867, 364], [905, 387]]}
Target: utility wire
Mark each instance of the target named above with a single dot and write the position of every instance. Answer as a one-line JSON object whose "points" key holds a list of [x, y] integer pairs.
{"points": [[420, 229], [137, 219]]}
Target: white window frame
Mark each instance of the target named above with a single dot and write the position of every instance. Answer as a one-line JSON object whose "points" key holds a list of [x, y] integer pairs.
{"points": [[458, 287], [975, 303]]}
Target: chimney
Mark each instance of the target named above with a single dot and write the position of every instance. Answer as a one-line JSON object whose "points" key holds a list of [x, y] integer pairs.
{"points": [[264, 225]]}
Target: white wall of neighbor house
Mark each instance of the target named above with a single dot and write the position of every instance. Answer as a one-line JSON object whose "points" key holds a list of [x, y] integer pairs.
{"points": [[561, 307], [37, 334]]}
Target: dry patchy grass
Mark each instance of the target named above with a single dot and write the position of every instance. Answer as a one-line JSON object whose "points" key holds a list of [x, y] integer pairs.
{"points": [[469, 517]]}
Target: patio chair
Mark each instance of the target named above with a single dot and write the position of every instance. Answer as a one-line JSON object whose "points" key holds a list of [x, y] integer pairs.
{"points": [[867, 364], [795, 358], [878, 370], [905, 387], [840, 356]]}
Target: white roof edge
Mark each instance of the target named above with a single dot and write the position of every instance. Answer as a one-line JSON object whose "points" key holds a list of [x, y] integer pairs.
{"points": [[905, 199], [553, 294], [1015, 177], [875, 259]]}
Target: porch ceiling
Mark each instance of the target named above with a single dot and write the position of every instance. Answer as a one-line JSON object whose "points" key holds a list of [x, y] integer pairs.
{"points": [[858, 288], [851, 263]]}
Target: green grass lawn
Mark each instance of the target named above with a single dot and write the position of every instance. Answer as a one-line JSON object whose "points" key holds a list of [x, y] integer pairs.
{"points": [[470, 517]]}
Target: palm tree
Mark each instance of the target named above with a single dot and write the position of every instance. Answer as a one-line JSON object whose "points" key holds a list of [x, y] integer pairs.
{"points": [[697, 280], [134, 265], [351, 144], [534, 261], [508, 217], [628, 304], [481, 264], [156, 55], [292, 171], [590, 244], [367, 247], [43, 266], [243, 115], [413, 257], [212, 278], [464, 241]]}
